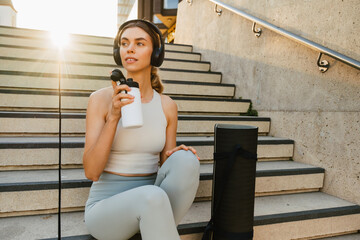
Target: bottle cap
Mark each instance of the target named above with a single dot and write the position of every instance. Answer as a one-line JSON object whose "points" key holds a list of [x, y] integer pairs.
{"points": [[117, 75], [130, 82]]}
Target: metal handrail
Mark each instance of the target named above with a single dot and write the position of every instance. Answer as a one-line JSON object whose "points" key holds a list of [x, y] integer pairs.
{"points": [[323, 65]]}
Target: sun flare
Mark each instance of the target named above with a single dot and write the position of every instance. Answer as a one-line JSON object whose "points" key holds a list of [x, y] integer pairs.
{"points": [[60, 38]]}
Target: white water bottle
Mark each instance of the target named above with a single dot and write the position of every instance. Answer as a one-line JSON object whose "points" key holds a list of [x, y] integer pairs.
{"points": [[131, 114]]}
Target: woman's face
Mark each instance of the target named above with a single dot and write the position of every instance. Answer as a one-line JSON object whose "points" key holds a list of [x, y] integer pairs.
{"points": [[135, 49]]}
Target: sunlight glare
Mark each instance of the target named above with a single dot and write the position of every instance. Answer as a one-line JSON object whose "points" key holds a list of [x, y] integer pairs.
{"points": [[60, 38]]}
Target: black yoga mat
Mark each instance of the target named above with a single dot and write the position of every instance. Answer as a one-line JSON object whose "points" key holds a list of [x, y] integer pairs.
{"points": [[234, 185]]}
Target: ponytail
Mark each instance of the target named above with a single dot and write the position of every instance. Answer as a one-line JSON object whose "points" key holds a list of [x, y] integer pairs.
{"points": [[156, 81]]}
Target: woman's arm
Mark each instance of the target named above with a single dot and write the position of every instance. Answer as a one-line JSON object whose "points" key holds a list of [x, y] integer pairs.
{"points": [[101, 128], [171, 113]]}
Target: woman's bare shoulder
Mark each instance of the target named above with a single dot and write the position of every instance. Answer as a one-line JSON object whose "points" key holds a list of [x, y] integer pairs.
{"points": [[169, 106], [167, 102], [101, 98], [101, 95]]}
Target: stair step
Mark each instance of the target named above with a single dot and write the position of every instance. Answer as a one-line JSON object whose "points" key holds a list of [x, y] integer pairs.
{"points": [[179, 47], [198, 89], [38, 188], [35, 38], [83, 78], [355, 236], [10, 80], [25, 153], [79, 81], [184, 55], [40, 123], [103, 57], [295, 216], [90, 69], [190, 75], [76, 101]]}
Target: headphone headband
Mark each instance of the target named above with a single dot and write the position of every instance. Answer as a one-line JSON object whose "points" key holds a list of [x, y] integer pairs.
{"points": [[157, 56]]}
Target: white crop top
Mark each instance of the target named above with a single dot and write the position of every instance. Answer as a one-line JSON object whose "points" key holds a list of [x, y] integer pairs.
{"points": [[137, 150]]}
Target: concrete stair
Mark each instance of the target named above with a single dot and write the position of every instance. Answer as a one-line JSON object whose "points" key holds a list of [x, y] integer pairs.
{"points": [[30, 100], [288, 203], [12, 123], [37, 152], [354, 236], [39, 189], [294, 216]]}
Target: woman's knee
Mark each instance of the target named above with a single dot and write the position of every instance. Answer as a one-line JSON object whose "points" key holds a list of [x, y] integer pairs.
{"points": [[154, 196], [186, 160]]}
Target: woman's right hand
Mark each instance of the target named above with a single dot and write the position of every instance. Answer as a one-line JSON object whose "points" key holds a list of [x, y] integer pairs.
{"points": [[117, 98]]}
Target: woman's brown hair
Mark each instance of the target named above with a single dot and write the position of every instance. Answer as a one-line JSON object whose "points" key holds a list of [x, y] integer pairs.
{"points": [[155, 78]]}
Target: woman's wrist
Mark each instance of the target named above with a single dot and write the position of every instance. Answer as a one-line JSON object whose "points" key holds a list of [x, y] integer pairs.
{"points": [[113, 118]]}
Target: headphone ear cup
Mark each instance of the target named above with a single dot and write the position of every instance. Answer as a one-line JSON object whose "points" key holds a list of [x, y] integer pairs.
{"points": [[117, 57], [157, 57], [116, 51]]}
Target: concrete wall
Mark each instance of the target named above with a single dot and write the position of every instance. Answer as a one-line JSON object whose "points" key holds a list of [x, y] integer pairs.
{"points": [[320, 111], [7, 16]]}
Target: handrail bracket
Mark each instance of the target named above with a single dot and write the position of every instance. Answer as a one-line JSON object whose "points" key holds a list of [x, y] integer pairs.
{"points": [[218, 11], [257, 31], [323, 65]]}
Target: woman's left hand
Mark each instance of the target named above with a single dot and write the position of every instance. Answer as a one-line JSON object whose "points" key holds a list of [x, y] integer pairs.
{"points": [[182, 146]]}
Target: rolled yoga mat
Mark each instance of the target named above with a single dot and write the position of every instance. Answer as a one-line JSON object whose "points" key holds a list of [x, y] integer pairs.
{"points": [[234, 181]]}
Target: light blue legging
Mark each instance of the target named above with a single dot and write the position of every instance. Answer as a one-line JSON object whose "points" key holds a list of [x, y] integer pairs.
{"points": [[118, 207]]}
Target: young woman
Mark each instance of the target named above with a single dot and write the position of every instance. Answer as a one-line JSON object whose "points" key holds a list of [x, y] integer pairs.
{"points": [[129, 193]]}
